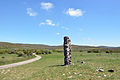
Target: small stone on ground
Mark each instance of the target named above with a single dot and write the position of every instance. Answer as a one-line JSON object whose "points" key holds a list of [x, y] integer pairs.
{"points": [[111, 70], [100, 70], [70, 76]]}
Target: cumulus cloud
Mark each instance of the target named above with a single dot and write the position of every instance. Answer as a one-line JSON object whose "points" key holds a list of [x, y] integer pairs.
{"points": [[73, 12], [58, 33], [46, 6], [42, 23], [65, 28], [47, 22], [30, 12]]}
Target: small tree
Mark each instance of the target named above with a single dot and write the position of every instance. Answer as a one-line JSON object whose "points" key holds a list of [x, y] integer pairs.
{"points": [[89, 51], [20, 53]]}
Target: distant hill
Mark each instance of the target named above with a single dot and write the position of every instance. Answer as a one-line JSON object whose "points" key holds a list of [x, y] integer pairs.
{"points": [[39, 46], [4, 45], [108, 47], [18, 45]]}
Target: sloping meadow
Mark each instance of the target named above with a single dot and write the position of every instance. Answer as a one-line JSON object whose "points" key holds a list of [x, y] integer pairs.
{"points": [[85, 67]]}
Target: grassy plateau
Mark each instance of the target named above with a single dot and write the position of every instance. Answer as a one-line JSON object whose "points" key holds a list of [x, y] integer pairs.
{"points": [[49, 67]]}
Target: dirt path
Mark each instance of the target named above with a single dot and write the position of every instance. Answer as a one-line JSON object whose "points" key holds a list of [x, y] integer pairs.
{"points": [[20, 63]]}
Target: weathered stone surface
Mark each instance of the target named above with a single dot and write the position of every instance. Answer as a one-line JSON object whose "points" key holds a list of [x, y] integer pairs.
{"points": [[81, 62], [111, 70], [100, 70], [67, 51]]}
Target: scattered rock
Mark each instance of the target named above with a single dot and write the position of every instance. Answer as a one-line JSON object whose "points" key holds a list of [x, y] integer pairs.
{"points": [[8, 70], [111, 70], [80, 74], [105, 75], [70, 76], [99, 76], [75, 73], [81, 62], [34, 53], [100, 70], [63, 74]]}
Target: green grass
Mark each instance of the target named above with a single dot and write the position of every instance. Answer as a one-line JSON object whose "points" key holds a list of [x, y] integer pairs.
{"points": [[48, 68], [12, 58]]}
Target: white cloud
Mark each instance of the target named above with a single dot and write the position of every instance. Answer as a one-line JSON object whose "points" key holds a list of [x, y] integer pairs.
{"points": [[73, 12], [65, 28], [30, 12], [47, 22], [41, 23], [46, 6], [58, 33]]}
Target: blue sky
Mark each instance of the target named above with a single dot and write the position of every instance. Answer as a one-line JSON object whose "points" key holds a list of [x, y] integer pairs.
{"points": [[86, 22]]}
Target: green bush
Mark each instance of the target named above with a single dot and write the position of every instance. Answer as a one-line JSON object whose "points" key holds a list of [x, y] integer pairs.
{"points": [[93, 51], [47, 52], [58, 50], [89, 51], [20, 53]]}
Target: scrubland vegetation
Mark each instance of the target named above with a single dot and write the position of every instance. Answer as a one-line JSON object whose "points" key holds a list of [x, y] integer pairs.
{"points": [[8, 56]]}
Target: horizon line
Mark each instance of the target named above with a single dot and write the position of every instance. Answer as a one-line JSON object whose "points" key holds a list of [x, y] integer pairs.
{"points": [[57, 44]]}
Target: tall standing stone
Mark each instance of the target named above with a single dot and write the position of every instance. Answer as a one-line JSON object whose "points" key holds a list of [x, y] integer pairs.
{"points": [[67, 51]]}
